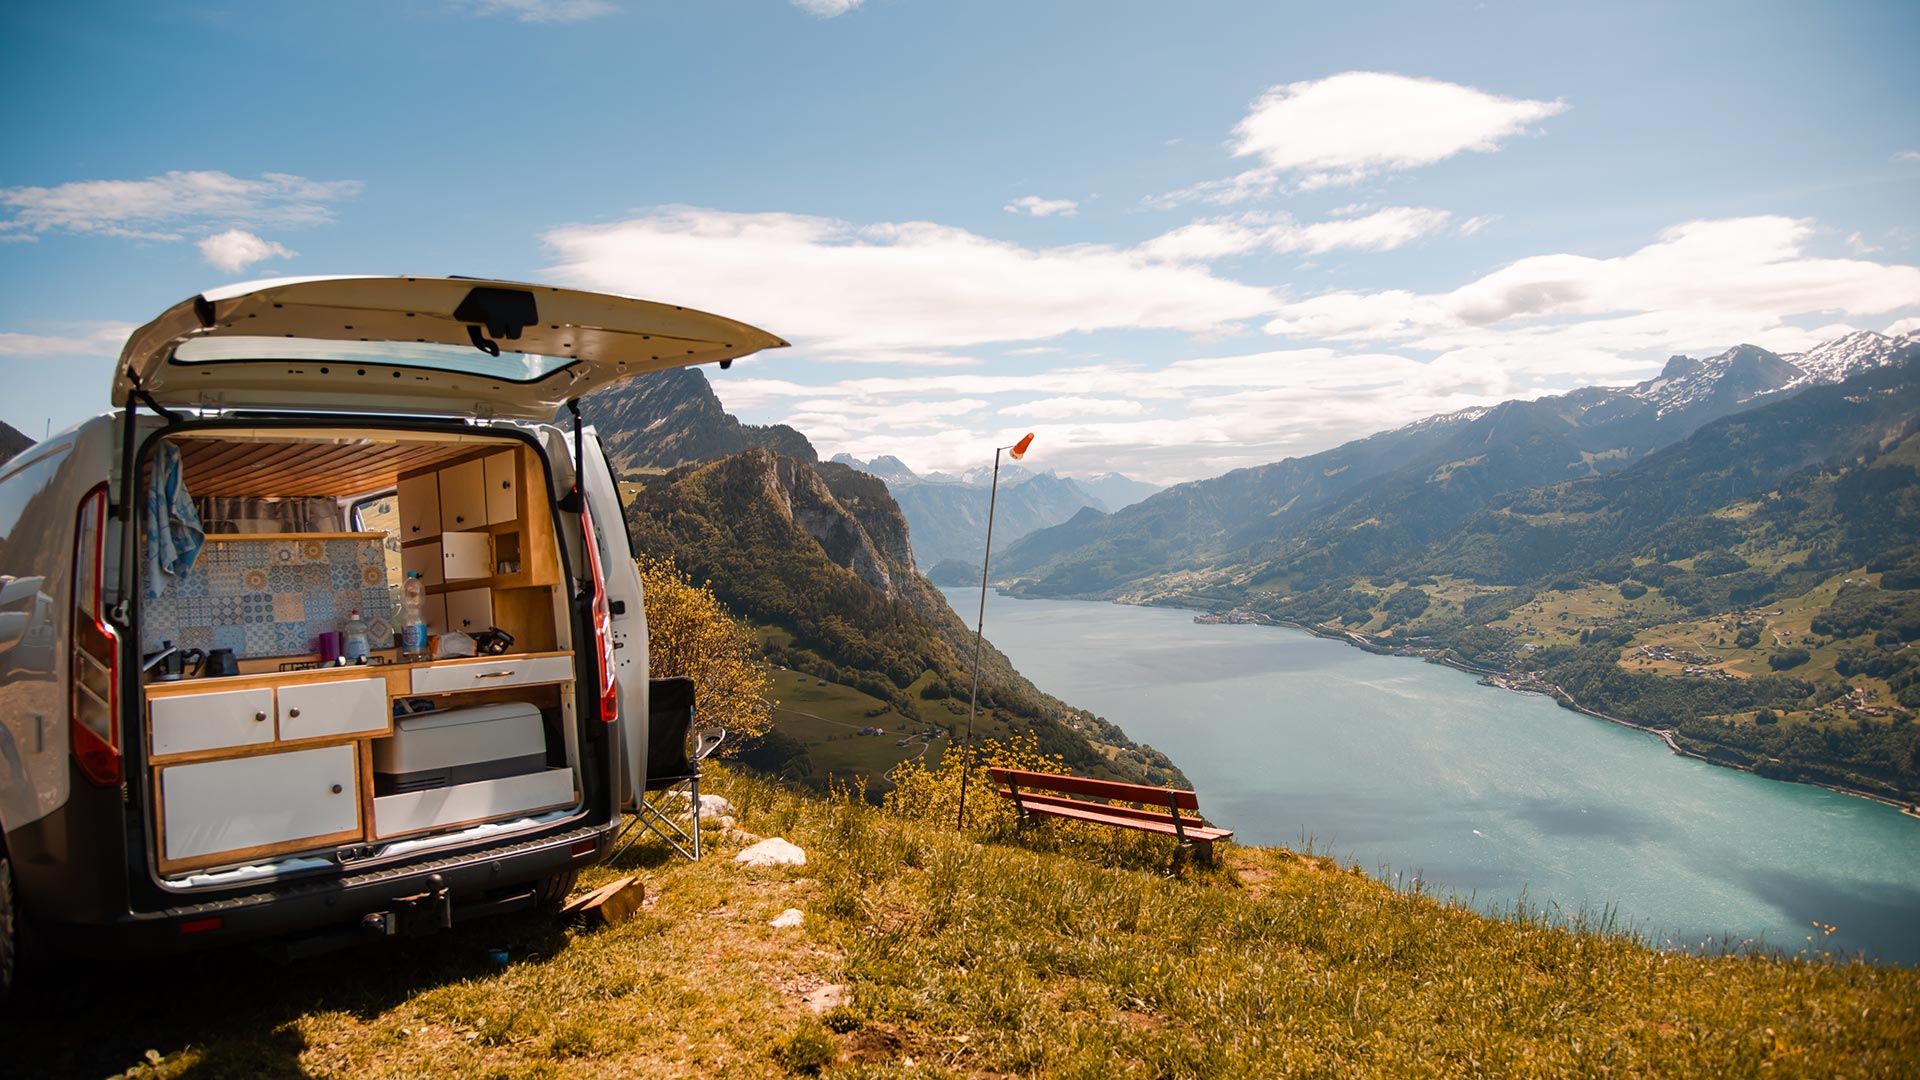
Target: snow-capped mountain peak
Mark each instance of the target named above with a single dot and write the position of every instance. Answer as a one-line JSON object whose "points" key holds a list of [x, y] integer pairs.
{"points": [[1832, 361]]}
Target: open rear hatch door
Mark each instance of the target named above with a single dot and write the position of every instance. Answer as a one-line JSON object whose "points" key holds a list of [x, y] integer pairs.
{"points": [[413, 345]]}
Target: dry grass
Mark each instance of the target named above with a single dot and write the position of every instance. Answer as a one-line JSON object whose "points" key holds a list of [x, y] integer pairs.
{"points": [[990, 954]]}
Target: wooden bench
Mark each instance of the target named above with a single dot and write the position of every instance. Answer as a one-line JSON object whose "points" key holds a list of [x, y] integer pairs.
{"points": [[1050, 795]]}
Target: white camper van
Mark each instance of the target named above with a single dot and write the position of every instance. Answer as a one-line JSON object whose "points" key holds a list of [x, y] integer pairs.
{"points": [[190, 752]]}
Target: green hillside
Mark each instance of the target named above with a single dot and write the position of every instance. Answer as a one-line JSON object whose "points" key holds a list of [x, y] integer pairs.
{"points": [[1755, 587], [926, 953], [818, 555]]}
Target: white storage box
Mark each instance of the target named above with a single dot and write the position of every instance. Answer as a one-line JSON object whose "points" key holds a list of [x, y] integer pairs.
{"points": [[459, 746]]}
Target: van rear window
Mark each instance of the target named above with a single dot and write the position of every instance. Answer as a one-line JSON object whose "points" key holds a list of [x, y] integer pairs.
{"points": [[462, 359]]}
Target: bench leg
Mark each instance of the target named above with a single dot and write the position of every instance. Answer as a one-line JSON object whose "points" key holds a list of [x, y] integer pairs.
{"points": [[1205, 849]]}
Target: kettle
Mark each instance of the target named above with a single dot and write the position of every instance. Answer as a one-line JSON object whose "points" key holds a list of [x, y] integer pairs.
{"points": [[169, 664]]}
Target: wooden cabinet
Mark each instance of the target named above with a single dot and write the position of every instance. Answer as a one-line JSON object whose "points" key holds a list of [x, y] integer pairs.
{"points": [[503, 487], [469, 610], [348, 707], [419, 498], [183, 725], [423, 559], [259, 805], [463, 496], [282, 763]]}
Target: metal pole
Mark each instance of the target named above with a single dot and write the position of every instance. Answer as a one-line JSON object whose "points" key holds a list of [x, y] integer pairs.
{"points": [[979, 628]]}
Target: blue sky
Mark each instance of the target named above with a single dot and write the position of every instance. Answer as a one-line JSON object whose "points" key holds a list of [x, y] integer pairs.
{"points": [[1171, 238]]}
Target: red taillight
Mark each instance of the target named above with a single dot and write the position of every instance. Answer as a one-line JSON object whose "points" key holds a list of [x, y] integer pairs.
{"points": [[602, 623], [201, 926], [93, 662]]}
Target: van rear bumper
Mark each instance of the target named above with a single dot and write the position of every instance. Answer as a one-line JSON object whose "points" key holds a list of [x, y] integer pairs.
{"points": [[471, 878]]}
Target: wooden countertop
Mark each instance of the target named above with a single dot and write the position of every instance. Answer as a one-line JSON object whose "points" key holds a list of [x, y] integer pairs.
{"points": [[205, 684]]}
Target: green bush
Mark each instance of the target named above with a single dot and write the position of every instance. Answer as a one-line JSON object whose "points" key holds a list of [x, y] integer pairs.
{"points": [[1788, 659]]}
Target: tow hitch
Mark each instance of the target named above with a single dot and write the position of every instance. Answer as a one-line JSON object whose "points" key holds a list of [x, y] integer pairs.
{"points": [[414, 916]]}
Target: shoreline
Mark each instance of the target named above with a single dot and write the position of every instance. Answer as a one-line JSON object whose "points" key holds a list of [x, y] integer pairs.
{"points": [[1503, 680]]}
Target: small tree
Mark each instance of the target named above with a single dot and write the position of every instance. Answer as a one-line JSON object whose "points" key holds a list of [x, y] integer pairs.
{"points": [[691, 634]]}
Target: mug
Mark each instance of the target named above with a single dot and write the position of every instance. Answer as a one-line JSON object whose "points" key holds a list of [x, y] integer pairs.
{"points": [[222, 662]]}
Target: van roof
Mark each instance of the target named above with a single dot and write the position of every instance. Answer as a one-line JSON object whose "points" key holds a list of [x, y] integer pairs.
{"points": [[414, 345]]}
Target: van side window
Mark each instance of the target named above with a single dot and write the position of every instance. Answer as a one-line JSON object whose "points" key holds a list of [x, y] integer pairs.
{"points": [[94, 649]]}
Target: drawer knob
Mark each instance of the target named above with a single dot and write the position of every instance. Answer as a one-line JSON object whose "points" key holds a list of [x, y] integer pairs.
{"points": [[337, 789], [259, 718], [291, 713]]}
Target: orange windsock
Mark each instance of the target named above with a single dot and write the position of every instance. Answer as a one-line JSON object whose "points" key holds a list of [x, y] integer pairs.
{"points": [[1020, 448]]}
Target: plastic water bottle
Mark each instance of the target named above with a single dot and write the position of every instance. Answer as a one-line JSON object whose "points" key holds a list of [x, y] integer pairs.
{"points": [[354, 645], [413, 618]]}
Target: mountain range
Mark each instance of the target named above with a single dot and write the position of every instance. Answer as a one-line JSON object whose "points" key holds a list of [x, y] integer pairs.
{"points": [[948, 513], [1367, 502], [1729, 552]]}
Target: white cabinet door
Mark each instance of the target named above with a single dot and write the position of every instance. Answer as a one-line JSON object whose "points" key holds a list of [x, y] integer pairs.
{"points": [[419, 507], [423, 558], [463, 496], [503, 487], [465, 555], [216, 806], [309, 710], [182, 725], [469, 610]]}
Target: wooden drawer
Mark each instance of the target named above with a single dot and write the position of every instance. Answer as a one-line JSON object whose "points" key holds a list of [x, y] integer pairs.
{"points": [[269, 801], [349, 707], [190, 722], [466, 804], [492, 673]]}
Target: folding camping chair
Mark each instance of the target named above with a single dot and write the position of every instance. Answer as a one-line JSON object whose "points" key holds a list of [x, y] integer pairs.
{"points": [[673, 767]]}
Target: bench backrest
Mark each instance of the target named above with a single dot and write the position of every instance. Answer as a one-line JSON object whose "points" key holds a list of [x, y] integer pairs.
{"points": [[1155, 797]]}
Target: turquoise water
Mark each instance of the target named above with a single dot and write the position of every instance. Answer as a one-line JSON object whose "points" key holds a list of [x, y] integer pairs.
{"points": [[1413, 768]]}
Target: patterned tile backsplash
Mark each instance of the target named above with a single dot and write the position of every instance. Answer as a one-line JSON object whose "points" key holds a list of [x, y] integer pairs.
{"points": [[273, 596]]}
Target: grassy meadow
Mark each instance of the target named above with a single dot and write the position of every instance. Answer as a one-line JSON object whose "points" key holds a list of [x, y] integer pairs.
{"points": [[927, 953]]}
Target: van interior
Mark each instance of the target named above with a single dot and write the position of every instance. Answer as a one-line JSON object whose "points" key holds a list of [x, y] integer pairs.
{"points": [[267, 754]]}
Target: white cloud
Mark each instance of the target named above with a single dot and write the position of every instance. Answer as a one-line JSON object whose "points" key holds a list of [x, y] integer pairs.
{"points": [[1039, 207], [914, 286], [90, 339], [153, 208], [1907, 155], [1904, 326], [1212, 238], [1700, 285], [1858, 244], [826, 9], [1061, 408], [1348, 127], [236, 249], [541, 11]]}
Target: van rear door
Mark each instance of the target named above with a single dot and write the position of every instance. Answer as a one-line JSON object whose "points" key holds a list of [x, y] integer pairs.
{"points": [[626, 602], [413, 345]]}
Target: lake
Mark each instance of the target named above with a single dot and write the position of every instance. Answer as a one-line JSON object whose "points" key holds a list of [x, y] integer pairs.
{"points": [[1413, 768]]}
